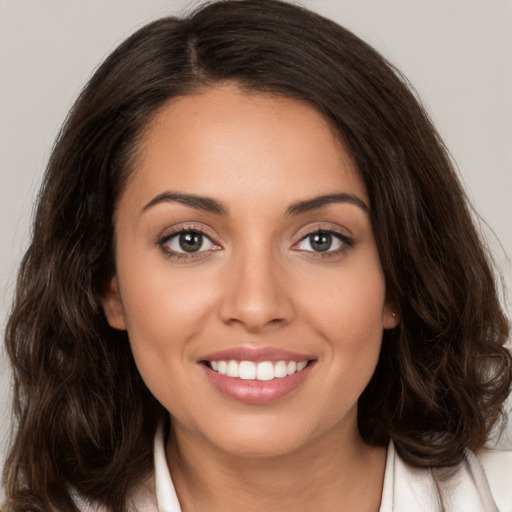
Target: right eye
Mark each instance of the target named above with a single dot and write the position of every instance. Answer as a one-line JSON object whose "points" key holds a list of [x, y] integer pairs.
{"points": [[186, 241], [324, 242], [321, 242]]}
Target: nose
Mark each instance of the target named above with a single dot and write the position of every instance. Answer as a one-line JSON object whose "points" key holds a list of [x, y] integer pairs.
{"points": [[257, 293]]}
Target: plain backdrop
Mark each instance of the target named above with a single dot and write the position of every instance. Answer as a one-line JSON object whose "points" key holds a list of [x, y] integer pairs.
{"points": [[457, 53]]}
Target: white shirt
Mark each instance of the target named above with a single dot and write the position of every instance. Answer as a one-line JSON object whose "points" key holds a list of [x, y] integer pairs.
{"points": [[480, 483]]}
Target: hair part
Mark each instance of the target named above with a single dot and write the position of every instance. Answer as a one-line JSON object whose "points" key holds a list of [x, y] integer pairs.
{"points": [[85, 418]]}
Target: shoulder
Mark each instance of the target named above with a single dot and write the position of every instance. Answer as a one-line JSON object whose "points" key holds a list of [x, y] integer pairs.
{"points": [[497, 467], [482, 482]]}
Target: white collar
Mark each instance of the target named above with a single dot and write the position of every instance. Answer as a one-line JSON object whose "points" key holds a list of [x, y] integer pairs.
{"points": [[166, 497]]}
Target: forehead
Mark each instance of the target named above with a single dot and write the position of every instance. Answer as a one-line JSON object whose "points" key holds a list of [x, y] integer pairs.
{"points": [[227, 141]]}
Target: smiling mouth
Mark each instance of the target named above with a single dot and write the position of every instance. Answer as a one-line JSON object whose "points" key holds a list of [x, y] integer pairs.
{"points": [[256, 375], [260, 371]]}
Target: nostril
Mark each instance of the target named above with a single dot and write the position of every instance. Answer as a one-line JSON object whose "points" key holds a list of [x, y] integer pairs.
{"points": [[255, 299]]}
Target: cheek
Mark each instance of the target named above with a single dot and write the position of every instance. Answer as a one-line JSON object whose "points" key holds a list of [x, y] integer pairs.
{"points": [[156, 295], [347, 312], [350, 302], [165, 316], [164, 312]]}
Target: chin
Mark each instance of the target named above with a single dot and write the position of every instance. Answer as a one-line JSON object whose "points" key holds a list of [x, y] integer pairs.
{"points": [[261, 446], [267, 436]]}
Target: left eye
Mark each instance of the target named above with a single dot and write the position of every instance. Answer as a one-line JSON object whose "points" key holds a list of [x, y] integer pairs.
{"points": [[188, 242], [321, 241]]}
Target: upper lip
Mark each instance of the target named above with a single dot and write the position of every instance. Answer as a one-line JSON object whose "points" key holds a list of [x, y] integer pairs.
{"points": [[255, 354]]}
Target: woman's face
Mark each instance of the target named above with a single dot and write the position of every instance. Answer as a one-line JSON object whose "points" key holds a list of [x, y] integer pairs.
{"points": [[244, 247]]}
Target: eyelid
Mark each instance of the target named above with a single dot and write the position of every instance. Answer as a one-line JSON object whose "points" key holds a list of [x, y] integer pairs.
{"points": [[326, 228], [198, 227]]}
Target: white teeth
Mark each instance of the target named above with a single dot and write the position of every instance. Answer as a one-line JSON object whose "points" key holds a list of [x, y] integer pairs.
{"points": [[291, 367], [264, 370], [301, 365], [280, 370], [232, 370], [247, 370], [222, 367]]}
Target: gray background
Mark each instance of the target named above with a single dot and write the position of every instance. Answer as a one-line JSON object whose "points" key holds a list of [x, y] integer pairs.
{"points": [[457, 53]]}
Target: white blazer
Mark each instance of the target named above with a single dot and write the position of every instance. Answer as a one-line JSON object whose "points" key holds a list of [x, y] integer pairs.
{"points": [[481, 483]]}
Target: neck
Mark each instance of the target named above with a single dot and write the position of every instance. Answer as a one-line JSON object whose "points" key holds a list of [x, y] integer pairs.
{"points": [[335, 472]]}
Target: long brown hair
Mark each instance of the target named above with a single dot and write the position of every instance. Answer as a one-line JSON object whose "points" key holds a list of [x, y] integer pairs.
{"points": [[85, 419]]}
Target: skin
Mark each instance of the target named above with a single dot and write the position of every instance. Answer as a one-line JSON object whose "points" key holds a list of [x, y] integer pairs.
{"points": [[258, 283]]}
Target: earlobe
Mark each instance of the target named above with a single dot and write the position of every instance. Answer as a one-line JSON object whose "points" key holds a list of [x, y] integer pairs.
{"points": [[113, 306], [391, 317]]}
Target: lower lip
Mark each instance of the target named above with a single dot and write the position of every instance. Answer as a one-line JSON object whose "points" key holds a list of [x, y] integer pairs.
{"points": [[256, 391]]}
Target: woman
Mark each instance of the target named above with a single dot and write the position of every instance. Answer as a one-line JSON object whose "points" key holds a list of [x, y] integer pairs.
{"points": [[253, 269]]}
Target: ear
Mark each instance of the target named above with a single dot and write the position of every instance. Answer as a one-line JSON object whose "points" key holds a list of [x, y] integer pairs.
{"points": [[113, 306], [390, 315]]}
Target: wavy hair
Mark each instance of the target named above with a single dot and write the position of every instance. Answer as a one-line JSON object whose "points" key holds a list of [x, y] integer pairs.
{"points": [[85, 419]]}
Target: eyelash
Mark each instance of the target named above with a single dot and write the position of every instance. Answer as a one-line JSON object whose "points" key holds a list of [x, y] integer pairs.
{"points": [[184, 256], [345, 240]]}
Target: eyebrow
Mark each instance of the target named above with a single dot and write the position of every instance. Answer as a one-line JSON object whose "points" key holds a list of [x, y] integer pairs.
{"points": [[318, 202], [211, 205], [206, 204]]}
